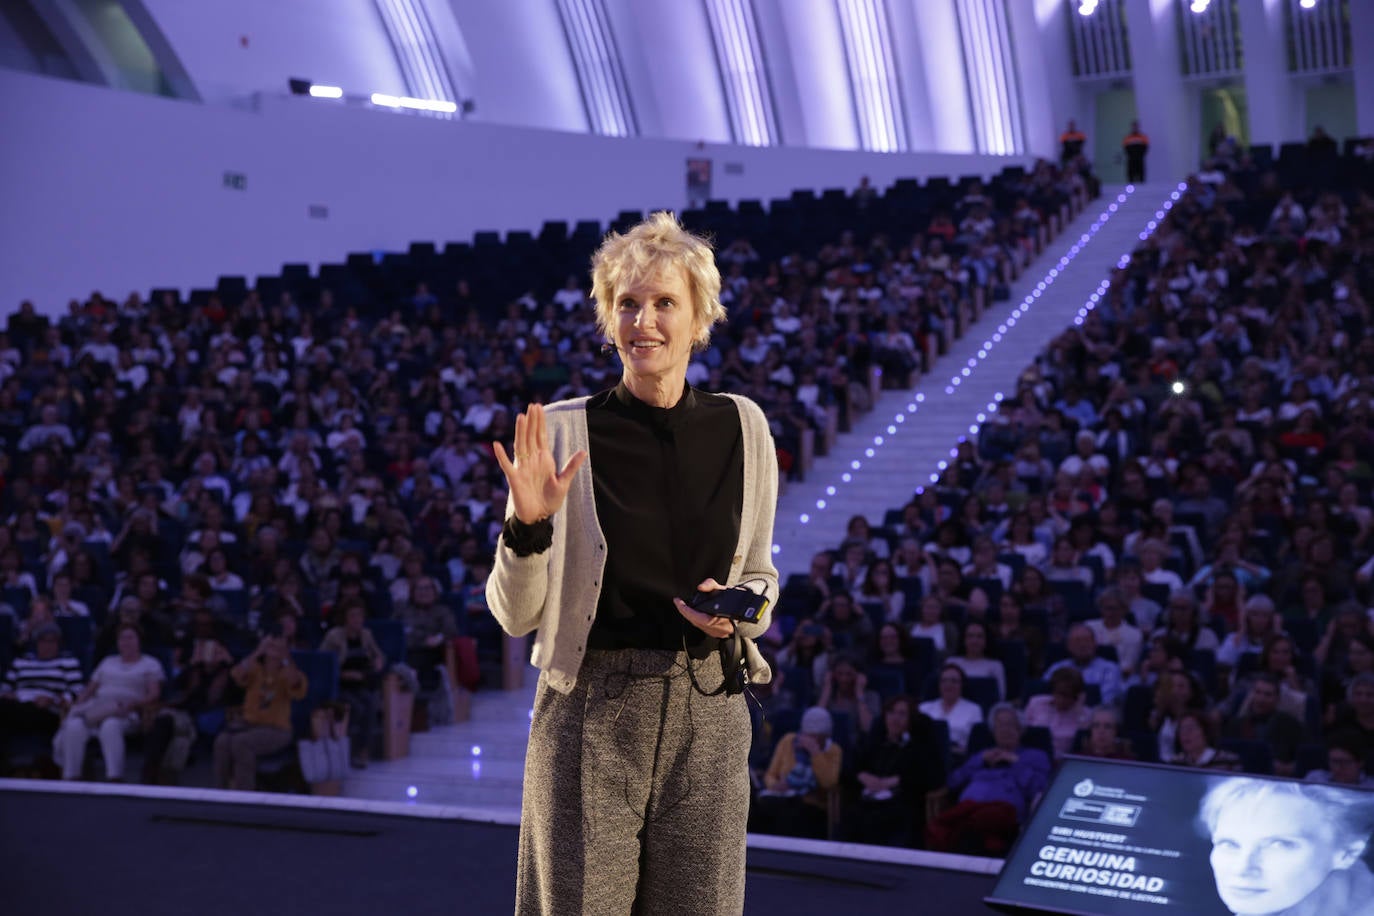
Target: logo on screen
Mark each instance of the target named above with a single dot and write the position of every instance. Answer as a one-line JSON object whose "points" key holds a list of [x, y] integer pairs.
{"points": [[1100, 812], [1084, 788]]}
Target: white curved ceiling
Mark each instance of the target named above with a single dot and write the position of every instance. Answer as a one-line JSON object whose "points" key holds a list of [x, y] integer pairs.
{"points": [[515, 60]]}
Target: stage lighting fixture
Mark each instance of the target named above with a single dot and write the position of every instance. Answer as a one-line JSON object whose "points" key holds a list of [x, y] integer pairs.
{"points": [[399, 101]]}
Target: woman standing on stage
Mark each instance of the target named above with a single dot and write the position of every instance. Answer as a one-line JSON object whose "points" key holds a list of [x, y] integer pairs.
{"points": [[636, 780]]}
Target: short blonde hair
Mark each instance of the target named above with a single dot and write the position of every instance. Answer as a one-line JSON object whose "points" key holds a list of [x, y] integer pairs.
{"points": [[654, 243], [1349, 815]]}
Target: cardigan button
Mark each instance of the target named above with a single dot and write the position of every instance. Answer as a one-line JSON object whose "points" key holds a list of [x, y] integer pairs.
{"points": [[738, 559]]}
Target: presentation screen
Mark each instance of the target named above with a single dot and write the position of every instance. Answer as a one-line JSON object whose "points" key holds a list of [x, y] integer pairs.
{"points": [[1126, 839]]}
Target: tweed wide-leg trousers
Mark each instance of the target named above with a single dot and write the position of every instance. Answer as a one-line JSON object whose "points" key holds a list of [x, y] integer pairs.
{"points": [[636, 792]]}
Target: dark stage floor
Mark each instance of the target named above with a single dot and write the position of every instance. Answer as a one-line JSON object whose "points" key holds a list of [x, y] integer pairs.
{"points": [[71, 855]]}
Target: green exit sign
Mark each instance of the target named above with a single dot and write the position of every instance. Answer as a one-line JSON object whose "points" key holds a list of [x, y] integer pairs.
{"points": [[236, 181]]}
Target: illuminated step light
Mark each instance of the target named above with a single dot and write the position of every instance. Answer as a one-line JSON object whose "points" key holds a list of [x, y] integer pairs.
{"points": [[326, 92]]}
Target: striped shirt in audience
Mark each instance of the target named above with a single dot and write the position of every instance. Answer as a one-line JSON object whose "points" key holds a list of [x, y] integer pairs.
{"points": [[30, 678]]}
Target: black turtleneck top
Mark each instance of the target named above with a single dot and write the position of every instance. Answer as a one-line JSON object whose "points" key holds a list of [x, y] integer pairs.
{"points": [[669, 488]]}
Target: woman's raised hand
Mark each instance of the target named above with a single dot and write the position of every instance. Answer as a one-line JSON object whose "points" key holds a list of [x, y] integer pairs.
{"points": [[537, 487]]}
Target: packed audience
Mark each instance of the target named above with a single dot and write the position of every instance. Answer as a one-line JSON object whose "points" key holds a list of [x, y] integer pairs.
{"points": [[201, 497], [1158, 549]]}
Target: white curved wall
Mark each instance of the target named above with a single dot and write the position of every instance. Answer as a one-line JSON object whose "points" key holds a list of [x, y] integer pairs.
{"points": [[920, 118], [152, 209], [822, 77], [521, 66], [339, 42], [787, 101], [670, 65], [940, 54], [512, 58]]}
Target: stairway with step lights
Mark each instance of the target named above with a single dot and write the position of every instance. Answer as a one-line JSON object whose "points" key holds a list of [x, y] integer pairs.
{"points": [[898, 446]]}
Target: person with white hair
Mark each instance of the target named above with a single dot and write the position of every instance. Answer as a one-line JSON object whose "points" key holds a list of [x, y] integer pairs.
{"points": [[49, 430], [1086, 455], [1258, 622], [804, 769], [1289, 848], [996, 787], [1152, 569], [623, 506], [1112, 629]]}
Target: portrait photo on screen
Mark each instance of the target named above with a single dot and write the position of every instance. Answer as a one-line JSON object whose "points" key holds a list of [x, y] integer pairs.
{"points": [[1289, 847], [1121, 839]]}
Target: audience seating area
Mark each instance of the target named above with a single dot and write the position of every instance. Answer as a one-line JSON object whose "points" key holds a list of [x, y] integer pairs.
{"points": [[259, 454], [1175, 503], [1170, 516]]}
